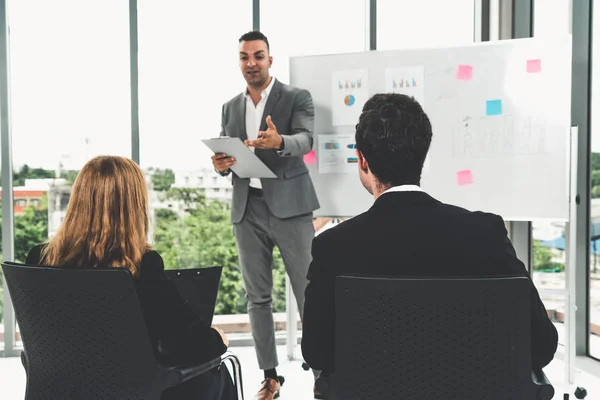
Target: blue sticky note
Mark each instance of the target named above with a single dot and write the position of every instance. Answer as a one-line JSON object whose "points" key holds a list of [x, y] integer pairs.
{"points": [[493, 107]]}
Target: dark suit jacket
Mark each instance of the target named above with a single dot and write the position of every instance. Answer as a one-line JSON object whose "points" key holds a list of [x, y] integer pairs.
{"points": [[292, 192], [172, 325], [411, 234]]}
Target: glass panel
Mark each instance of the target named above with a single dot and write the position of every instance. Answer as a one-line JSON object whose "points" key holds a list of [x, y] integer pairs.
{"points": [[318, 27], [1, 273], [69, 77], [188, 67], [409, 24], [550, 19], [594, 278]]}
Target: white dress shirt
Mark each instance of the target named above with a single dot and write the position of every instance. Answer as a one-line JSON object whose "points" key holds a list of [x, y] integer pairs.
{"points": [[404, 188], [254, 116]]}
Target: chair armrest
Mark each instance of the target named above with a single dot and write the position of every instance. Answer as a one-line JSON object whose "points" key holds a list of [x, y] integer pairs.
{"points": [[545, 390], [237, 372], [229, 355], [177, 375]]}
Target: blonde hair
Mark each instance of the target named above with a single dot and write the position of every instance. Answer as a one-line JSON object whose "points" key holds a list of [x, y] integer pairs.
{"points": [[106, 223]]}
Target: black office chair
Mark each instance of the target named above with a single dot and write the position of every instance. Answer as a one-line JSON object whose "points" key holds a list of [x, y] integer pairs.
{"points": [[85, 336], [435, 339]]}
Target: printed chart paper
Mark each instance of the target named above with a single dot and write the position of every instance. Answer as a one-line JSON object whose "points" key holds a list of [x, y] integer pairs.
{"points": [[407, 80], [337, 154], [349, 92]]}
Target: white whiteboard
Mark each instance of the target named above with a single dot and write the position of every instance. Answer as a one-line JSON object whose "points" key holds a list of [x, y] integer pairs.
{"points": [[512, 162]]}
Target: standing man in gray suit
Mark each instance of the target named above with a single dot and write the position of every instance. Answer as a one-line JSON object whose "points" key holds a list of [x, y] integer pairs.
{"points": [[276, 121]]}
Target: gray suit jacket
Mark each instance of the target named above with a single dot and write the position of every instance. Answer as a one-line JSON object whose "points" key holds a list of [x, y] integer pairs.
{"points": [[292, 112]]}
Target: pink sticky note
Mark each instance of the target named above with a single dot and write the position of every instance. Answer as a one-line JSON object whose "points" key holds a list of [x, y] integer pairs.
{"points": [[464, 73], [310, 158], [534, 66], [464, 177]]}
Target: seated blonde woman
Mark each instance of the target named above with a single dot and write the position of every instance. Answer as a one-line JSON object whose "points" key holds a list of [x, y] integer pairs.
{"points": [[106, 226]]}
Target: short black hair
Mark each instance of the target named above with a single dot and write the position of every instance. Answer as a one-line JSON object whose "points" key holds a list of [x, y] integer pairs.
{"points": [[254, 35], [394, 134]]}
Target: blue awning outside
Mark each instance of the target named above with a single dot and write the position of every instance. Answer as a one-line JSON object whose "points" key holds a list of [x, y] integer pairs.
{"points": [[560, 242], [557, 243]]}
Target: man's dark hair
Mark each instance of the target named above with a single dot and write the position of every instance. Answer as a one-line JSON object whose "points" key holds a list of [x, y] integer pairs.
{"points": [[393, 134], [254, 35]]}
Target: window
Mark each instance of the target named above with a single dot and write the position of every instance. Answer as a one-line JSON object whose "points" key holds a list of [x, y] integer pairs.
{"points": [[188, 67], [20, 203], [550, 19], [1, 274], [410, 24], [70, 92], [201, 63], [594, 277], [317, 27]]}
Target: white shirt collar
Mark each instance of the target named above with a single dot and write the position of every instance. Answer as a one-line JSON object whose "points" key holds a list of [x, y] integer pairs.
{"points": [[404, 188], [265, 92]]}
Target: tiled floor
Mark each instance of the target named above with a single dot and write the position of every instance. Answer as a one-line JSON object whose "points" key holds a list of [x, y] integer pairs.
{"points": [[298, 384]]}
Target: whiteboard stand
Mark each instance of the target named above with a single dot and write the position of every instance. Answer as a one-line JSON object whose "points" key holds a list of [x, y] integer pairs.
{"points": [[291, 319], [571, 267]]}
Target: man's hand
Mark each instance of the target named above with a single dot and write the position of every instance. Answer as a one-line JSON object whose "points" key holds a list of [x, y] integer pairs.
{"points": [[222, 162], [269, 139], [320, 222], [223, 335]]}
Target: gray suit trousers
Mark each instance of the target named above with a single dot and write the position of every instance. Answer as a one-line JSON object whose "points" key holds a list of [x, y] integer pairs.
{"points": [[256, 235]]}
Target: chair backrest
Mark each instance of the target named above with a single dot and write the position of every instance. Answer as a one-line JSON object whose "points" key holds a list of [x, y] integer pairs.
{"points": [[199, 287], [433, 338], [84, 333]]}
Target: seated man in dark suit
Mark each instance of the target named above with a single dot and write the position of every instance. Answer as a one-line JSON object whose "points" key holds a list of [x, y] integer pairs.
{"points": [[406, 232]]}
